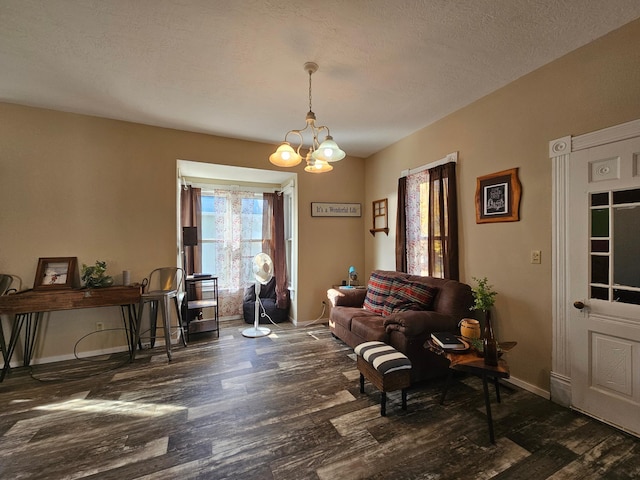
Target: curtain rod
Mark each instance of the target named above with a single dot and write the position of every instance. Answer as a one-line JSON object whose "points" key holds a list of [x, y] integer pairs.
{"points": [[452, 157]]}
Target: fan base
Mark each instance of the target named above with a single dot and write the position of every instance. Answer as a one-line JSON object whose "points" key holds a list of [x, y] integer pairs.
{"points": [[254, 332]]}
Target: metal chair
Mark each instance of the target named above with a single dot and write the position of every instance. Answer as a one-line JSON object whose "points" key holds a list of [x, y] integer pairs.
{"points": [[163, 284]]}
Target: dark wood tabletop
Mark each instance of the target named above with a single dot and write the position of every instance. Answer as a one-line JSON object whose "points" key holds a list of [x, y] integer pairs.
{"points": [[471, 361]]}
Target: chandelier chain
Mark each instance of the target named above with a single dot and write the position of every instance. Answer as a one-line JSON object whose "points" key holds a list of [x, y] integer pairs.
{"points": [[310, 72]]}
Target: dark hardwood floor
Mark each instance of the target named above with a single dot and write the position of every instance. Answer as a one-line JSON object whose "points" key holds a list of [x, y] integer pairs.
{"points": [[283, 407]]}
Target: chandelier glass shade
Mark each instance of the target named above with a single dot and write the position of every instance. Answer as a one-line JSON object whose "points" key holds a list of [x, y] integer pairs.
{"points": [[319, 154], [317, 166], [285, 156]]}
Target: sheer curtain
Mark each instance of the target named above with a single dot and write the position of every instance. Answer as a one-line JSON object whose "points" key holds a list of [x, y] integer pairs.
{"points": [[232, 236], [427, 239]]}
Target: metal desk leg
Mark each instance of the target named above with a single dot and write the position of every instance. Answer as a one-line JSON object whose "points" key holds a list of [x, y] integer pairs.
{"points": [[137, 340], [30, 321], [3, 345], [30, 330], [487, 402], [129, 320]]}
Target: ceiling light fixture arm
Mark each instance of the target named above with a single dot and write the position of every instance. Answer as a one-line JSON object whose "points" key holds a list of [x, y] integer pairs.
{"points": [[319, 154]]}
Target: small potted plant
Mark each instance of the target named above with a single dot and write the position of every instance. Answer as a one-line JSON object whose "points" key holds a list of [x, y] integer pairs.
{"points": [[484, 298], [94, 276]]}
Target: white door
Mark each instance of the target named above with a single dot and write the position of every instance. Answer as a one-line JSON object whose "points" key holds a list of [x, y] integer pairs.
{"points": [[604, 266]]}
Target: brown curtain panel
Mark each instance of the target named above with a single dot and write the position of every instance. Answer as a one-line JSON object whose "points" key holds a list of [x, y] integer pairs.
{"points": [[267, 225], [191, 216], [401, 226], [273, 243], [443, 221]]}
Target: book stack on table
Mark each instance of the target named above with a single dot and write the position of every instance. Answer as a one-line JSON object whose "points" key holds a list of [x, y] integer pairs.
{"points": [[448, 341]]}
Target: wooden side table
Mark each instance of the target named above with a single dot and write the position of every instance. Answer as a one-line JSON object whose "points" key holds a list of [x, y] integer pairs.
{"points": [[471, 362]]}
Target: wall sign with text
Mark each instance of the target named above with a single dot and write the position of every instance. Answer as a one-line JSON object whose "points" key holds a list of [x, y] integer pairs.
{"points": [[324, 209]]}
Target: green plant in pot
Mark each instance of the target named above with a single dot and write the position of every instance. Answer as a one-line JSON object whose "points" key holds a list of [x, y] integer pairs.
{"points": [[484, 298], [94, 276]]}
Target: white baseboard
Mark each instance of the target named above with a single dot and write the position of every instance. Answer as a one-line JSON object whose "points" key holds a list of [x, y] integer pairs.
{"points": [[528, 387], [62, 358], [561, 389], [317, 321]]}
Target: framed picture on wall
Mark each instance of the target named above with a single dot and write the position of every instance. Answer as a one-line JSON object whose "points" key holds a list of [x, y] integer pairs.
{"points": [[56, 273], [498, 197]]}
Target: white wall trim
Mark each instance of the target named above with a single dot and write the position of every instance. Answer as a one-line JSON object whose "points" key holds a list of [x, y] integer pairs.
{"points": [[561, 389], [559, 151], [451, 157], [560, 154], [528, 387], [613, 134]]}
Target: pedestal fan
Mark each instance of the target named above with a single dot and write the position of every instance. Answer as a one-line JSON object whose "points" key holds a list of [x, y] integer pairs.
{"points": [[262, 272]]}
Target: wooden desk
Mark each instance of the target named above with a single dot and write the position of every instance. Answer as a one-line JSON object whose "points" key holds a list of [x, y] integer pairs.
{"points": [[28, 306], [471, 362]]}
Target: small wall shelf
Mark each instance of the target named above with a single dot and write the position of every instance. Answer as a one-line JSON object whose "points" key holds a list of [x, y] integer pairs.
{"points": [[380, 218]]}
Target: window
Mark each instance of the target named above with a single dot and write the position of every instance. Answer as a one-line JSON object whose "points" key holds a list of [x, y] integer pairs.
{"points": [[289, 235], [231, 235], [429, 244]]}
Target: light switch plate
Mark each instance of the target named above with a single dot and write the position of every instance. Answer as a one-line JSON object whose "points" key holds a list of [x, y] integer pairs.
{"points": [[536, 256]]}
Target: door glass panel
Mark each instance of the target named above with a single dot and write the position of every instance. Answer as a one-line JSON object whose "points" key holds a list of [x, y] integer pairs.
{"points": [[626, 246], [600, 246], [615, 249], [626, 296], [599, 199], [600, 222], [600, 293], [599, 269], [626, 196]]}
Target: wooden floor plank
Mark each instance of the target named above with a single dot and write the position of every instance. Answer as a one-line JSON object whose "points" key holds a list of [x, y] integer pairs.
{"points": [[282, 407]]}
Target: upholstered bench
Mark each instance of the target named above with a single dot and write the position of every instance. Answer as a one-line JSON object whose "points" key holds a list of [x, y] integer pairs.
{"points": [[386, 368]]}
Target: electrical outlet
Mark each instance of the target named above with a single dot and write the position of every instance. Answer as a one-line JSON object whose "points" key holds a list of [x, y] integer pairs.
{"points": [[99, 326], [536, 256]]}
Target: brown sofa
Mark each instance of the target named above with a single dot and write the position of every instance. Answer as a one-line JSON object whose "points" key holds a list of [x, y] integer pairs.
{"points": [[401, 310]]}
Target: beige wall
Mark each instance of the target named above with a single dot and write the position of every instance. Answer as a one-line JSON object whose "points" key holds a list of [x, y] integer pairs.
{"points": [[594, 87], [99, 189], [72, 185]]}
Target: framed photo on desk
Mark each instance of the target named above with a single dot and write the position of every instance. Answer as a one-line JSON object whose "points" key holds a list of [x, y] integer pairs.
{"points": [[56, 273]]}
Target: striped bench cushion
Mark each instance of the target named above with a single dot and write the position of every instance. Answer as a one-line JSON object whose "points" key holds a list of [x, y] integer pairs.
{"points": [[384, 358]]}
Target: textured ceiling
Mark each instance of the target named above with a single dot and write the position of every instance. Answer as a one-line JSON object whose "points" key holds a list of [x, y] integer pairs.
{"points": [[235, 67]]}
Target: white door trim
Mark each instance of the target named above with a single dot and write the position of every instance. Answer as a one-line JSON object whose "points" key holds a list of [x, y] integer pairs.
{"points": [[560, 152]]}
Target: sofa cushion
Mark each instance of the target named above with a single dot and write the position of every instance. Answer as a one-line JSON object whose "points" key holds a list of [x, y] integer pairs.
{"points": [[343, 315], [405, 295], [370, 327], [378, 289]]}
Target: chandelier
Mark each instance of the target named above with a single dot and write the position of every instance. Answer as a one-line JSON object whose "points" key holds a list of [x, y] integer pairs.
{"points": [[319, 155]]}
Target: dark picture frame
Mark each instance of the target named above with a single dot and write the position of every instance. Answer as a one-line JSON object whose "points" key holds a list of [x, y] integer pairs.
{"points": [[498, 197], [54, 273]]}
